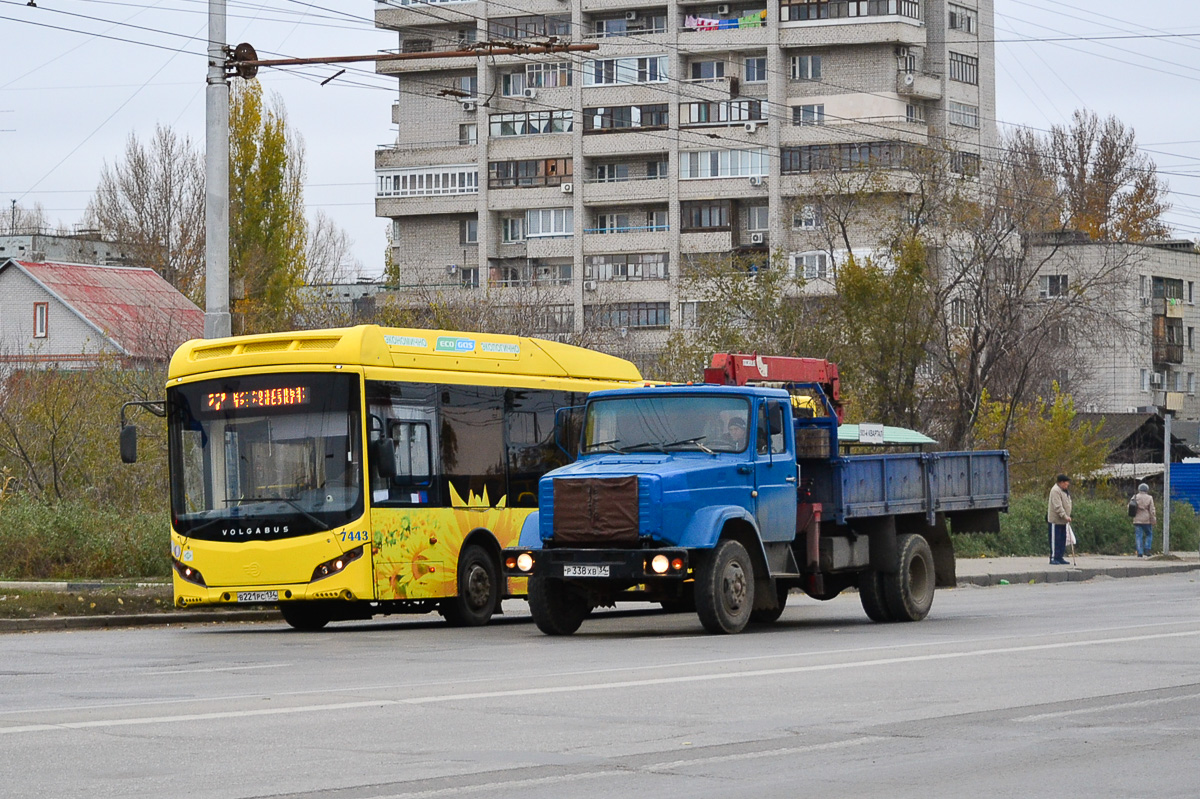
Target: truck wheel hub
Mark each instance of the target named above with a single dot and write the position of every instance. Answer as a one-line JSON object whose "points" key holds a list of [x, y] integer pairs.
{"points": [[733, 586]]}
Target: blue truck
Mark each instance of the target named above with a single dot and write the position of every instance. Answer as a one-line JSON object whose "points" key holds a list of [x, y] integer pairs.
{"points": [[723, 498]]}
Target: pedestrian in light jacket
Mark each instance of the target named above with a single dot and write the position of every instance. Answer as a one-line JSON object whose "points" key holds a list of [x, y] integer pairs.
{"points": [[1143, 521], [1058, 516]]}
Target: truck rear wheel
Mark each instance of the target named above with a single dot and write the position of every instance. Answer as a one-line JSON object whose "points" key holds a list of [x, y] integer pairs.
{"points": [[870, 591], [556, 609], [909, 591], [478, 590], [725, 589]]}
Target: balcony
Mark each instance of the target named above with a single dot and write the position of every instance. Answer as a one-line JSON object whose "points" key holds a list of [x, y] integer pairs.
{"points": [[1164, 352], [623, 192], [1169, 307], [702, 34], [919, 85]]}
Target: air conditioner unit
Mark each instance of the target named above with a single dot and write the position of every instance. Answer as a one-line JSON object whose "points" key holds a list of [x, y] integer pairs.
{"points": [[756, 180], [752, 127], [529, 94], [567, 188], [723, 8], [909, 79], [589, 285], [451, 269], [630, 16], [758, 238], [1156, 379], [470, 105]]}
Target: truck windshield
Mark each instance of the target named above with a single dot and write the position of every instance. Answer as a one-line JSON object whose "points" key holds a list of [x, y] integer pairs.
{"points": [[265, 456], [666, 423]]}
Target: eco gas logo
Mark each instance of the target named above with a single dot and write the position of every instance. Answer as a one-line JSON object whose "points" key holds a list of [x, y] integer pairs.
{"points": [[452, 344]]}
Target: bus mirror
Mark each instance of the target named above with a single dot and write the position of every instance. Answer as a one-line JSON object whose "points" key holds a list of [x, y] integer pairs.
{"points": [[384, 455], [129, 443]]}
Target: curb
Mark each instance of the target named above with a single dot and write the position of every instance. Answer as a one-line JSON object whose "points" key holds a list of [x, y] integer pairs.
{"points": [[134, 620], [1075, 574]]}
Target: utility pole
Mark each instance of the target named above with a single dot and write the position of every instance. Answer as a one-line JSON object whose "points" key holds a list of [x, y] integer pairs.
{"points": [[1166, 530], [216, 167]]}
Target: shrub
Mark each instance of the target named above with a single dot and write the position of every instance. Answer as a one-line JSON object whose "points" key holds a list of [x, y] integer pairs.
{"points": [[1101, 526], [75, 540]]}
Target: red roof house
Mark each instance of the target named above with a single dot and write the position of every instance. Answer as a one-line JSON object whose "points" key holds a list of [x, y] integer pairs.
{"points": [[56, 313]]}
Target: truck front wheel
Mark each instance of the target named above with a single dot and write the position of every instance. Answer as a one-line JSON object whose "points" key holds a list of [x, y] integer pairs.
{"points": [[725, 589], [556, 609], [909, 591]]}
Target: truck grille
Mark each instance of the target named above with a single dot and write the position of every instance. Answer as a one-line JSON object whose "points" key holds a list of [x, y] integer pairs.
{"points": [[595, 511]]}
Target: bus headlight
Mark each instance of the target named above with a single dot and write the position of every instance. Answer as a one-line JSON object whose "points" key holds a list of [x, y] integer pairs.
{"points": [[186, 572], [335, 565], [525, 562]]}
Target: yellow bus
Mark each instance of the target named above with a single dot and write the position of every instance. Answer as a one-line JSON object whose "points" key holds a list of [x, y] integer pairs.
{"points": [[345, 473]]}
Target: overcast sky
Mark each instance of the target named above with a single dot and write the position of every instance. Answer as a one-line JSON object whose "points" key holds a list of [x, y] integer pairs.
{"points": [[74, 86]]}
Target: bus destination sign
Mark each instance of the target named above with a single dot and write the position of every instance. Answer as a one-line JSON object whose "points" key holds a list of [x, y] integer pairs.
{"points": [[283, 397]]}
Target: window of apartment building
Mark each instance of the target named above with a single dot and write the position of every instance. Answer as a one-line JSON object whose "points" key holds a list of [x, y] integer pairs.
{"points": [[627, 266], [529, 26], [1191, 338], [689, 313], [526, 174], [963, 115], [705, 215], [758, 218], [611, 173], [819, 157], [657, 220], [723, 164], [965, 164], [1191, 293], [806, 67], [620, 26], [1060, 334], [800, 10], [1143, 286], [429, 181], [1052, 286], [707, 70], [1191, 382], [964, 68], [813, 266], [1166, 287], [468, 277], [756, 69], [624, 71], [512, 229], [606, 119], [722, 112], [807, 217], [657, 170], [531, 123], [466, 35], [416, 44], [963, 19], [960, 312], [914, 112], [468, 134], [628, 314], [468, 85], [554, 319], [468, 231], [547, 222], [549, 75], [556, 272], [611, 223], [512, 84], [813, 114], [41, 316], [1145, 379]]}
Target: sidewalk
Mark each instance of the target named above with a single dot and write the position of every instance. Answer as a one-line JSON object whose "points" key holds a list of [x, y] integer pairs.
{"points": [[971, 571]]}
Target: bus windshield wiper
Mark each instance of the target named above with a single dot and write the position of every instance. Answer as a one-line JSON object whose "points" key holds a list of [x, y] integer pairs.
{"points": [[321, 526]]}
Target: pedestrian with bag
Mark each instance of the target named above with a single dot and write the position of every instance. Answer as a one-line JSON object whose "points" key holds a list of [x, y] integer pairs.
{"points": [[1058, 516], [1141, 508]]}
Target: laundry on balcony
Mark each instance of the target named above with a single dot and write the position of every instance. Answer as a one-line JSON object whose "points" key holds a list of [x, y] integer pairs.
{"points": [[755, 19]]}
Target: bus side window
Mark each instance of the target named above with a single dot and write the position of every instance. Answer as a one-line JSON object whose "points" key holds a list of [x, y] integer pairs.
{"points": [[413, 453]]}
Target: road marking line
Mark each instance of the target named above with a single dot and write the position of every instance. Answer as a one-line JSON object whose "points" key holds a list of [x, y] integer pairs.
{"points": [[627, 772], [1101, 708], [582, 688], [223, 668]]}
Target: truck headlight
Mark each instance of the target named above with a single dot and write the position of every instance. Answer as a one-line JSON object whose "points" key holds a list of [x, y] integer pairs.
{"points": [[659, 564], [525, 562]]}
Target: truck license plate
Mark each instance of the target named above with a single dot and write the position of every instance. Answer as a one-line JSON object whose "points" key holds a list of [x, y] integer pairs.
{"points": [[258, 596], [571, 570]]}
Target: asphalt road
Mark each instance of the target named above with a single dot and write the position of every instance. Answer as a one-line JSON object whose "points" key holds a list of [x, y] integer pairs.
{"points": [[1080, 689]]}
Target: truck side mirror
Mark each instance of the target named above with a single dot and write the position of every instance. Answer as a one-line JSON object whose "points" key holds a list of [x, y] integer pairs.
{"points": [[568, 423], [129, 443]]}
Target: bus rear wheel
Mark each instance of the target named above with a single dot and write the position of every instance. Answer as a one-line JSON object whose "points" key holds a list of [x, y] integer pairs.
{"points": [[478, 590], [304, 616]]}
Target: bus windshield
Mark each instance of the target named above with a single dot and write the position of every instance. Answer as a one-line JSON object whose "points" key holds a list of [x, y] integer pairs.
{"points": [[666, 423], [265, 456]]}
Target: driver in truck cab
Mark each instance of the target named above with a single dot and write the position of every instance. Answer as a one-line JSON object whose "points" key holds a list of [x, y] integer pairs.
{"points": [[736, 433]]}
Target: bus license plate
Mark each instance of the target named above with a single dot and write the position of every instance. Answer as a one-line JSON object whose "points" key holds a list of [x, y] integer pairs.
{"points": [[571, 570], [258, 596]]}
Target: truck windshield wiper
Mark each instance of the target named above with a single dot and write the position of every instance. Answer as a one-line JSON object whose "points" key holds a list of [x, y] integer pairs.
{"points": [[606, 444], [647, 445], [697, 441]]}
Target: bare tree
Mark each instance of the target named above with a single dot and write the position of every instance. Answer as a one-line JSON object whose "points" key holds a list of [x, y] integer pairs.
{"points": [[330, 256], [152, 204], [21, 220]]}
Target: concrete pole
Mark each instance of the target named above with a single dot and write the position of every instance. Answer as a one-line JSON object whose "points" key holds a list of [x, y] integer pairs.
{"points": [[216, 168], [1166, 527]]}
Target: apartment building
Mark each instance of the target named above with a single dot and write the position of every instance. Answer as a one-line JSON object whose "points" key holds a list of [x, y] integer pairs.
{"points": [[692, 129]]}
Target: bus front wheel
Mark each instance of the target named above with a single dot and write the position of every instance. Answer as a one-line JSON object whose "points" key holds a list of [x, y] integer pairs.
{"points": [[478, 590]]}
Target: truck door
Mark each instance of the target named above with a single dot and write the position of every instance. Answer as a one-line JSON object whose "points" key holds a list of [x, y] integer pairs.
{"points": [[774, 472]]}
